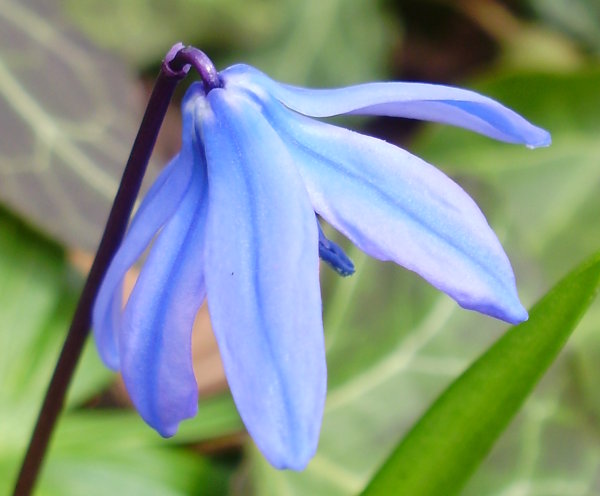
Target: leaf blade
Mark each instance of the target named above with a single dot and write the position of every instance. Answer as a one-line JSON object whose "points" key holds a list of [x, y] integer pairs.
{"points": [[452, 438]]}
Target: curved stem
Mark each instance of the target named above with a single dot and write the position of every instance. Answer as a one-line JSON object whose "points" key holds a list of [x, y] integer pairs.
{"points": [[179, 63], [115, 229]]}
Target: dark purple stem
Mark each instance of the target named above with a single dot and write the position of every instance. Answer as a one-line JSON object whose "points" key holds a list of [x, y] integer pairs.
{"points": [[174, 68], [178, 63]]}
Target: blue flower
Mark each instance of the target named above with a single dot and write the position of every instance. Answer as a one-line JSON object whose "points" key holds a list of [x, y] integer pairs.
{"points": [[232, 219]]}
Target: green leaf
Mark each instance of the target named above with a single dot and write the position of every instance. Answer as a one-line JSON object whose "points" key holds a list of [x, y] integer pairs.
{"points": [[452, 438], [301, 42], [319, 43], [142, 30], [99, 430], [578, 18], [68, 118], [38, 292], [138, 471]]}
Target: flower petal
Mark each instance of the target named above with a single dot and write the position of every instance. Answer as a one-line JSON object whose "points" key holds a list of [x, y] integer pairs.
{"points": [[438, 103], [155, 334], [394, 206], [262, 280], [157, 207]]}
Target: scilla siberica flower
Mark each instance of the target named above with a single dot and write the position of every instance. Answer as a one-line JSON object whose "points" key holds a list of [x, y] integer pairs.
{"points": [[232, 218]]}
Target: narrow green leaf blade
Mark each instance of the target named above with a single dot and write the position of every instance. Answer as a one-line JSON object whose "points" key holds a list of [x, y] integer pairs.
{"points": [[453, 437]]}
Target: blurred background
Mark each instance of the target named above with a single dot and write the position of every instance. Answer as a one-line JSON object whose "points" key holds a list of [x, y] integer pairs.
{"points": [[74, 79]]}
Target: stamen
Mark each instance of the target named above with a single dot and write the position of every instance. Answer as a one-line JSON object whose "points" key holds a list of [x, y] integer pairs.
{"points": [[333, 255]]}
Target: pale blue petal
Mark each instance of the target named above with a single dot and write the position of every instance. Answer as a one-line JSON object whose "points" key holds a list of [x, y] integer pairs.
{"points": [[397, 207], [445, 104], [107, 307], [155, 333], [262, 280], [158, 206]]}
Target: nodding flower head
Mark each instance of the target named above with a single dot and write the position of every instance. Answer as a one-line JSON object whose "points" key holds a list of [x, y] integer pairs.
{"points": [[231, 219]]}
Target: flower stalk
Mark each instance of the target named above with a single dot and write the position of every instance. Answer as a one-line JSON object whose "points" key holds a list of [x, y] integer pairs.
{"points": [[174, 68]]}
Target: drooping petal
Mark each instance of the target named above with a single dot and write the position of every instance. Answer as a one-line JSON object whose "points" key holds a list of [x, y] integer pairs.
{"points": [[159, 204], [394, 206], [156, 327], [262, 280], [438, 103]]}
